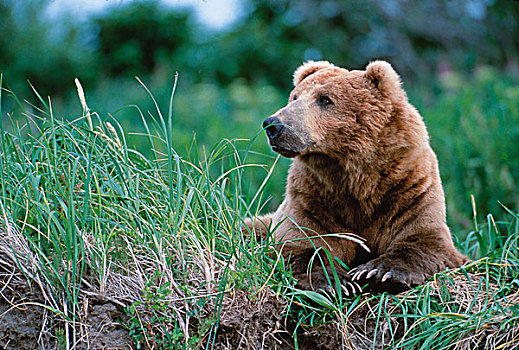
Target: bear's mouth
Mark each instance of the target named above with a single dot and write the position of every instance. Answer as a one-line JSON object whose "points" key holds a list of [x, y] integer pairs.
{"points": [[284, 152]]}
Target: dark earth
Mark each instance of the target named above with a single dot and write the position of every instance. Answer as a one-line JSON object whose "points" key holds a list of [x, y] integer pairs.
{"points": [[24, 324]]}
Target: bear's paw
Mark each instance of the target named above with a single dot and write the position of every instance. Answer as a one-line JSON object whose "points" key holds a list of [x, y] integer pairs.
{"points": [[383, 274]]}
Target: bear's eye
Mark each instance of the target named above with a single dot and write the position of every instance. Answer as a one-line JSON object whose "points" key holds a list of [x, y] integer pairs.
{"points": [[324, 100], [294, 97]]}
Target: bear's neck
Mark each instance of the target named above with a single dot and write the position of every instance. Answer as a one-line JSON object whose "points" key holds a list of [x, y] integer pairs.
{"points": [[365, 181], [334, 176]]}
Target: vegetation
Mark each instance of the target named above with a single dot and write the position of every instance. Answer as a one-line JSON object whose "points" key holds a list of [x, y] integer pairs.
{"points": [[445, 69], [122, 211], [92, 219]]}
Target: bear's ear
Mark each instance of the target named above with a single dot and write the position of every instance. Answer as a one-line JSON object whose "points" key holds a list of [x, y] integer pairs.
{"points": [[382, 75], [309, 68]]}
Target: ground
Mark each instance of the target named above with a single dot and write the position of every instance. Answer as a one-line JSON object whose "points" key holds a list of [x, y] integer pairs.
{"points": [[24, 324], [258, 321], [475, 306]]}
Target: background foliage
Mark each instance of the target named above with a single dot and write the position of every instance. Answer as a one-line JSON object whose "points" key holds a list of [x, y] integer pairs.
{"points": [[141, 206], [458, 60]]}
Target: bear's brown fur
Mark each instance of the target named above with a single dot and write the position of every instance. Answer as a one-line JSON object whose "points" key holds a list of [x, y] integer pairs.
{"points": [[362, 164]]}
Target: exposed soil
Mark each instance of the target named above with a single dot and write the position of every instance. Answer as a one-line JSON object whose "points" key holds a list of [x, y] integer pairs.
{"points": [[246, 320], [21, 323], [26, 324], [247, 323], [260, 323], [104, 330]]}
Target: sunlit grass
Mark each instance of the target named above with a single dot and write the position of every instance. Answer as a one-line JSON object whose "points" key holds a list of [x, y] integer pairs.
{"points": [[88, 216], [91, 208]]}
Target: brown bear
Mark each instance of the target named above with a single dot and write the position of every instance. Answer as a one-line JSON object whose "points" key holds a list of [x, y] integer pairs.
{"points": [[362, 167]]}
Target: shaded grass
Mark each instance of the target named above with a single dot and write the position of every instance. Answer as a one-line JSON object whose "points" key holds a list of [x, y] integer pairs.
{"points": [[91, 219]]}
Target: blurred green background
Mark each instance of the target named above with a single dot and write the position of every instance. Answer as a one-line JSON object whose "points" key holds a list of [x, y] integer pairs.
{"points": [[458, 60]]}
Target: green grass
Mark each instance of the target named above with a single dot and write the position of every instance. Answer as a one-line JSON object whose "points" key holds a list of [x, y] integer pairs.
{"points": [[473, 122], [159, 233], [90, 208]]}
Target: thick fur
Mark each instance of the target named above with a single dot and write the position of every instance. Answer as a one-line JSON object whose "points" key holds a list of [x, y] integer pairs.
{"points": [[362, 164]]}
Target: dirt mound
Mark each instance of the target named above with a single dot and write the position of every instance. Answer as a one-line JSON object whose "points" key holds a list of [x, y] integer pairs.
{"points": [[260, 322], [21, 320], [27, 323], [29, 319], [252, 323], [103, 329]]}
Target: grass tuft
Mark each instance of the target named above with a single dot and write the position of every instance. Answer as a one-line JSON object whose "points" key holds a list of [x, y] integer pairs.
{"points": [[156, 240]]}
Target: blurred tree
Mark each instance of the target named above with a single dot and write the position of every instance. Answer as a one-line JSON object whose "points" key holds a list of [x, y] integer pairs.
{"points": [[134, 38], [502, 33], [29, 51], [419, 38], [270, 40]]}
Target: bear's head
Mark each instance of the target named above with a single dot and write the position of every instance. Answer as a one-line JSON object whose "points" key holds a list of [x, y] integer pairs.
{"points": [[339, 113]]}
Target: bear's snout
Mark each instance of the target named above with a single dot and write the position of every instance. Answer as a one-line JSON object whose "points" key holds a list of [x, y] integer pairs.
{"points": [[273, 127]]}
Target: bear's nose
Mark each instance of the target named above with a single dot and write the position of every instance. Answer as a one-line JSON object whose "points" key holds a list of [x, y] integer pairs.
{"points": [[273, 127]]}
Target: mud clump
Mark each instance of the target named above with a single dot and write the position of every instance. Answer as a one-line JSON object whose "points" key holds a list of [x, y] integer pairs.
{"points": [[261, 322], [21, 321], [27, 323], [251, 323], [104, 329]]}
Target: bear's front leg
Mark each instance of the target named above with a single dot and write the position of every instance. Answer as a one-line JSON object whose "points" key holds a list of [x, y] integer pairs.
{"points": [[259, 227]]}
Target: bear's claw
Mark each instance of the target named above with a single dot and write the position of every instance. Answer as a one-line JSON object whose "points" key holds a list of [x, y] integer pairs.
{"points": [[358, 274], [371, 273], [330, 285], [386, 276], [353, 286], [372, 270]]}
